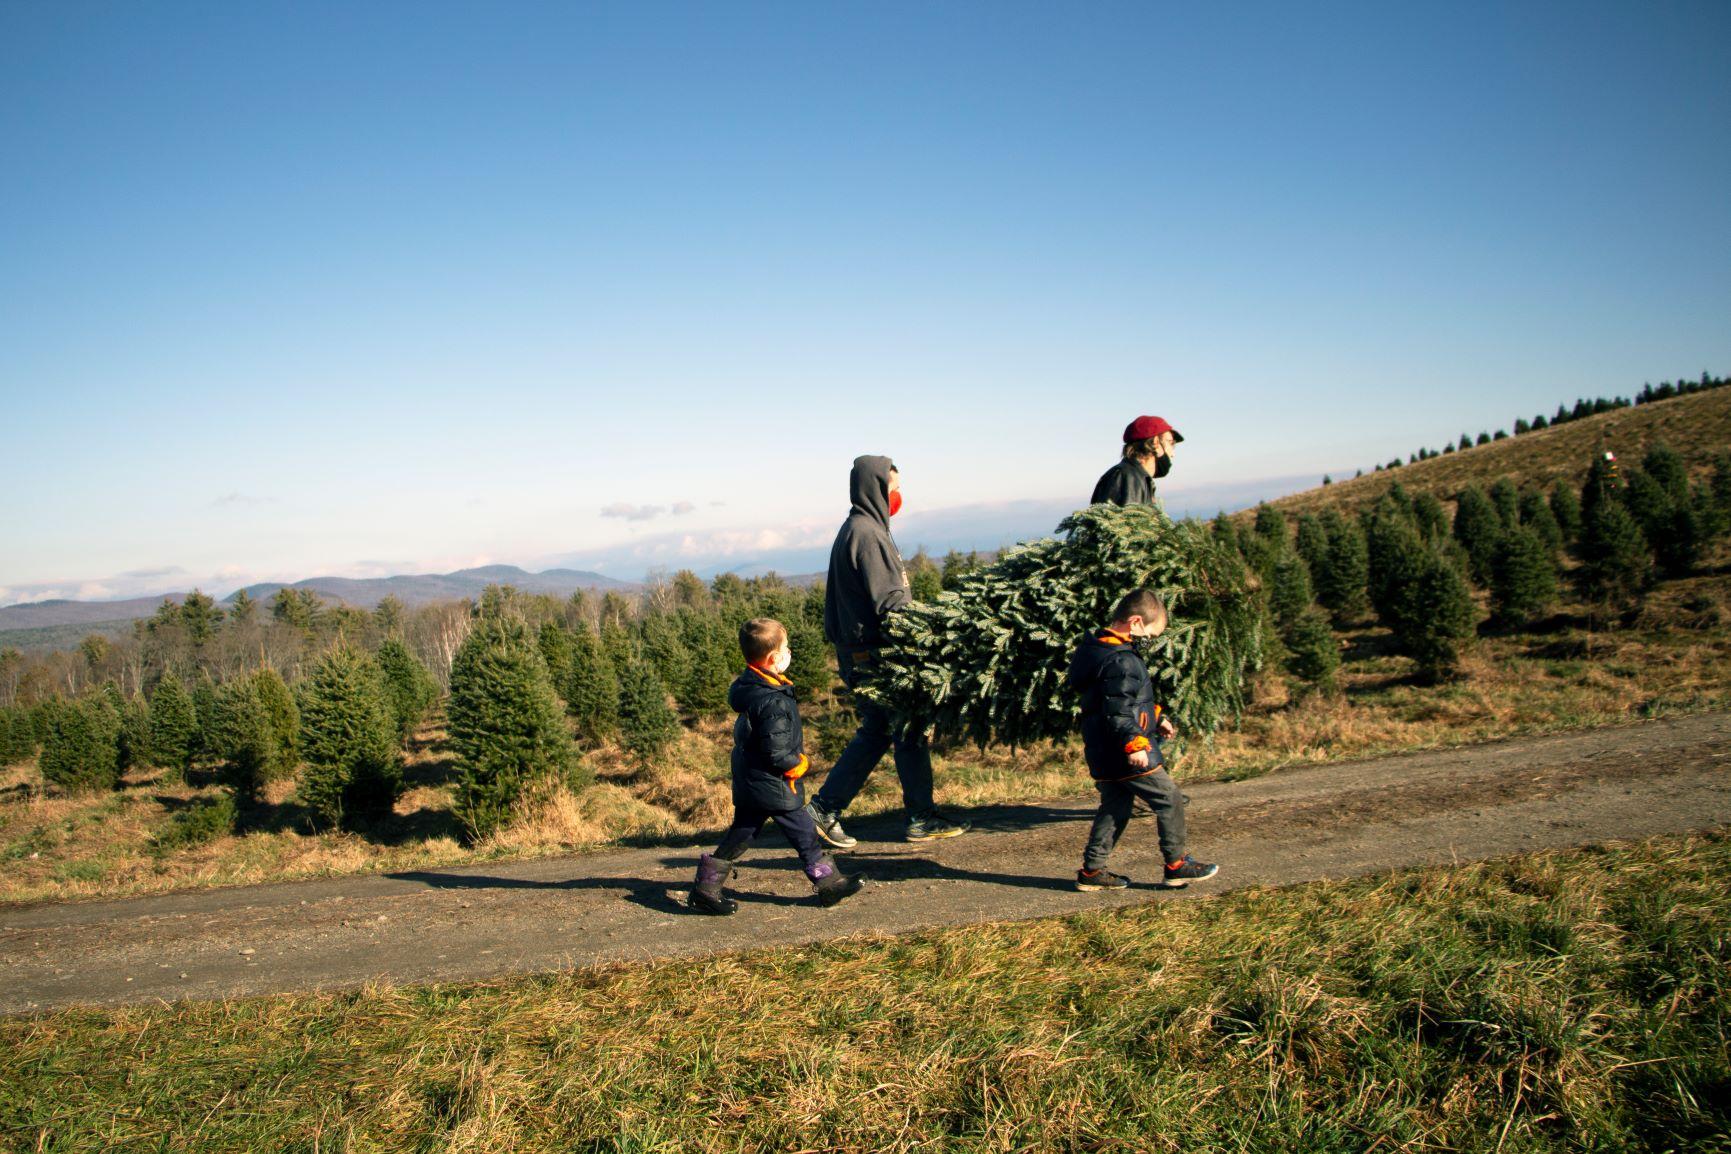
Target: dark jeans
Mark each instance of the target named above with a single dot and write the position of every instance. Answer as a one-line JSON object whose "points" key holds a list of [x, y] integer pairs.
{"points": [[795, 825], [869, 744], [1117, 798]]}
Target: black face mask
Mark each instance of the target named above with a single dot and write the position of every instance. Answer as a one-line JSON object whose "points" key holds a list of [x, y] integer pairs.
{"points": [[1163, 465]]}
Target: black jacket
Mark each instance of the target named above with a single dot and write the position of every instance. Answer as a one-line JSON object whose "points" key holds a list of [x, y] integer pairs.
{"points": [[1118, 710], [767, 743], [1125, 483], [867, 577]]}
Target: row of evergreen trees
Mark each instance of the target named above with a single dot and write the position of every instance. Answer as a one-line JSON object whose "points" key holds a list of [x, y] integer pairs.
{"points": [[532, 689], [1415, 566], [346, 722], [1582, 408]]}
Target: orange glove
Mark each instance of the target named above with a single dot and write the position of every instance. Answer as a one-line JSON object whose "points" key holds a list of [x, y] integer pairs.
{"points": [[798, 771]]}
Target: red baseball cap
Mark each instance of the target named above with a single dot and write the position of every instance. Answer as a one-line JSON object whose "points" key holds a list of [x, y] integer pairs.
{"points": [[1145, 428]]}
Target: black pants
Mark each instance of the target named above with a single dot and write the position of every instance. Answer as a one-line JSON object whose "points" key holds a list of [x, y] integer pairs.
{"points": [[796, 825], [1117, 798]]}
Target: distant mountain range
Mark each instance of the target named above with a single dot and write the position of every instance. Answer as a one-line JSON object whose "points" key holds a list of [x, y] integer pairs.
{"points": [[364, 593], [424, 588]]}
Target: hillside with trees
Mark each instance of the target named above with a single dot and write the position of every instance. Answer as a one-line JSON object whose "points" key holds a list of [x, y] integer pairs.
{"points": [[1520, 586]]}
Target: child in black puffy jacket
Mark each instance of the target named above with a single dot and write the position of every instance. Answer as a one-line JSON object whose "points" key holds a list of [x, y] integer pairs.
{"points": [[768, 764], [1122, 729]]}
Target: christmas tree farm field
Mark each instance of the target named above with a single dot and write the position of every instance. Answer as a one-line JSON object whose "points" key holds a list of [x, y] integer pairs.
{"points": [[1566, 1000], [1674, 659]]}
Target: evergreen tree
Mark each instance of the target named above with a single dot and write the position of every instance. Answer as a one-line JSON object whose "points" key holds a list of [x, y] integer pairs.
{"points": [[591, 688], [199, 616], [1430, 517], [925, 579], [1342, 581], [506, 727], [1271, 526], [1396, 555], [17, 735], [1536, 515], [1523, 577], [810, 670], [1507, 500], [554, 642], [135, 734], [1225, 533], [646, 725], [1566, 508], [1312, 542], [409, 688], [1666, 466], [1435, 616], [1721, 484], [254, 731], [1312, 654], [349, 739], [1466, 442], [174, 729], [661, 644], [1478, 527], [81, 751], [1614, 561], [205, 710], [283, 718], [1682, 538], [242, 609], [712, 664], [1601, 485], [989, 663], [388, 615], [1289, 594], [1539, 422], [1648, 502]]}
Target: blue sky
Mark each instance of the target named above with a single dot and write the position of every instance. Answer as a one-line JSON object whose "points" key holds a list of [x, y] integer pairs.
{"points": [[290, 289]]}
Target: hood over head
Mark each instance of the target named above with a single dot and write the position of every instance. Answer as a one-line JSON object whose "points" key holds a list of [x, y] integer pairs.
{"points": [[869, 487]]}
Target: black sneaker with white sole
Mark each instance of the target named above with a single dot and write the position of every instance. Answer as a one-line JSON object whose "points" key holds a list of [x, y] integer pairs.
{"points": [[1186, 871], [1092, 881], [932, 825], [829, 827]]}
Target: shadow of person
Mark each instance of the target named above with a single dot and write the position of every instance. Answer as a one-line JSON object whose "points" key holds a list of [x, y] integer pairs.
{"points": [[662, 897]]}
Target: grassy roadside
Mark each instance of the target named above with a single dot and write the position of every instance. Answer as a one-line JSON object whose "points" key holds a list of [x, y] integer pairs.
{"points": [[1564, 1000]]}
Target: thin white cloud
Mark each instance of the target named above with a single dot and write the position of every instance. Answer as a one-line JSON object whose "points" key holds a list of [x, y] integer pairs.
{"points": [[681, 508], [625, 511], [240, 499]]}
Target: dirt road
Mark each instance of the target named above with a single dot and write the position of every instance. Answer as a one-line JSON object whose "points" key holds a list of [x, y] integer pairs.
{"points": [[477, 922]]}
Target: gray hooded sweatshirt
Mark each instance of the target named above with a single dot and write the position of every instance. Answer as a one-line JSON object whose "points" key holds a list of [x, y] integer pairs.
{"points": [[867, 577]]}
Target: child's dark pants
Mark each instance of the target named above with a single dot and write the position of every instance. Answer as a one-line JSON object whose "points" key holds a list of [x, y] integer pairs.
{"points": [[1160, 793], [796, 825]]}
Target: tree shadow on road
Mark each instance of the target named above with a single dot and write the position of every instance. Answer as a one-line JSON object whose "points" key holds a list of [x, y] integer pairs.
{"points": [[661, 897]]}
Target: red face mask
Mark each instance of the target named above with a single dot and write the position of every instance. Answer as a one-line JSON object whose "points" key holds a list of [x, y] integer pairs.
{"points": [[895, 502]]}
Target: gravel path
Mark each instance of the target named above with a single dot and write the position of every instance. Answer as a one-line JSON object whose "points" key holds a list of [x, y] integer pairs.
{"points": [[1298, 825]]}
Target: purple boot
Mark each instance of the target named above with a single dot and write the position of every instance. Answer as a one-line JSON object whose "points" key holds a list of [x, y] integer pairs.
{"points": [[832, 885], [706, 896]]}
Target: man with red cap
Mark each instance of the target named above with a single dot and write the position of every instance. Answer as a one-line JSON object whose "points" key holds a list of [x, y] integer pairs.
{"points": [[1148, 445]]}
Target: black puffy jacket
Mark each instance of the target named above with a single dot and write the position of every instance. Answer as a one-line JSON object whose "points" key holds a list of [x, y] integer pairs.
{"points": [[1118, 710], [767, 743]]}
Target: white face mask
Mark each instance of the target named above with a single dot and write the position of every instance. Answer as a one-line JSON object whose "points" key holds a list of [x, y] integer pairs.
{"points": [[783, 660]]}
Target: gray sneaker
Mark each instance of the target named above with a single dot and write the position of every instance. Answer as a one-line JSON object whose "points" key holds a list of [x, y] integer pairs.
{"points": [[932, 825], [829, 827]]}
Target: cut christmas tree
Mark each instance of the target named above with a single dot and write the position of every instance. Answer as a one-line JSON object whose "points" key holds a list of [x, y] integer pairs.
{"points": [[987, 662]]}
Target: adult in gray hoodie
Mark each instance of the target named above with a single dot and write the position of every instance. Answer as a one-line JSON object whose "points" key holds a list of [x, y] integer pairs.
{"points": [[867, 582]]}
